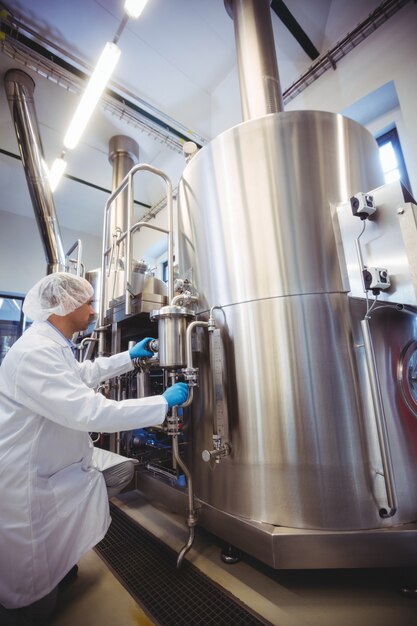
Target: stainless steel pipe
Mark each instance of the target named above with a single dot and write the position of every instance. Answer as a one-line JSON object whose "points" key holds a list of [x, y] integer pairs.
{"points": [[381, 423], [191, 514], [123, 155], [20, 89], [260, 88]]}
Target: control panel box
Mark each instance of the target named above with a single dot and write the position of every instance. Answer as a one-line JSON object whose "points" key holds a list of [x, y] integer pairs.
{"points": [[388, 244]]}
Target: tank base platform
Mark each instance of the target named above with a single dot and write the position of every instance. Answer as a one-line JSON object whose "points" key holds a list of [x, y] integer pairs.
{"points": [[281, 547]]}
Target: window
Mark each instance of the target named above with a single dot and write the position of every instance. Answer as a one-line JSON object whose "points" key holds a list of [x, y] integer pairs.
{"points": [[11, 321], [392, 159], [165, 271]]}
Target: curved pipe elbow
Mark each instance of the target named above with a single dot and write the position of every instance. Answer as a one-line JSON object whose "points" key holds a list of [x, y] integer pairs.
{"points": [[187, 546]]}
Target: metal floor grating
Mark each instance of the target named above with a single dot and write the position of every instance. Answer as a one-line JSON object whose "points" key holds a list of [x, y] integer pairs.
{"points": [[171, 597]]}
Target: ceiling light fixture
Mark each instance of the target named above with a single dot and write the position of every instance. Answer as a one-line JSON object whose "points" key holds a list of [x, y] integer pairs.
{"points": [[134, 7], [92, 93], [56, 172], [95, 87]]}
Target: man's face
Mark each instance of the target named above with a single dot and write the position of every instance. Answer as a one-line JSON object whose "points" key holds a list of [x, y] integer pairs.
{"points": [[81, 317]]}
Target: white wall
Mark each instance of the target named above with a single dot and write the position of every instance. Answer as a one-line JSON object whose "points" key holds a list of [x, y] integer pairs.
{"points": [[150, 244], [22, 255], [389, 54]]}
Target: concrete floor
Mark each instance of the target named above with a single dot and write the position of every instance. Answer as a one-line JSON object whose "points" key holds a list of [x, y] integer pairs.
{"points": [[284, 598], [97, 598]]}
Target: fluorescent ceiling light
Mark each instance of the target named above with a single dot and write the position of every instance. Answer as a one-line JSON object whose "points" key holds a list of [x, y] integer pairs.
{"points": [[135, 7], [55, 173], [91, 96]]}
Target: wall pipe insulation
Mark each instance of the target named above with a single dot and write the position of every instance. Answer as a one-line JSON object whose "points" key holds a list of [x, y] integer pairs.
{"points": [[19, 89]]}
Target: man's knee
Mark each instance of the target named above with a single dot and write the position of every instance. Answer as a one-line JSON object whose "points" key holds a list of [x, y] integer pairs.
{"points": [[119, 476]]}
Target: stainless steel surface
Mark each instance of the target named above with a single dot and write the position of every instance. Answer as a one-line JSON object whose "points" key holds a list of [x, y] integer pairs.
{"points": [[155, 287], [20, 89], [172, 328], [296, 419], [393, 330], [132, 279], [219, 376], [189, 339], [260, 89], [389, 241], [131, 229], [381, 422], [256, 202], [138, 277], [307, 471], [261, 194], [79, 267], [283, 547], [94, 278], [219, 451], [127, 183], [123, 155], [190, 372], [191, 513], [143, 387], [146, 302]]}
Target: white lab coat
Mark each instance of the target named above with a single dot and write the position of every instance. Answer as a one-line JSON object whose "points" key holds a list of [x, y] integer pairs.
{"points": [[53, 500]]}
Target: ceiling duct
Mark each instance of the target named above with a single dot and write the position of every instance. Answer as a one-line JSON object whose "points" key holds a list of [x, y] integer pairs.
{"points": [[19, 88], [260, 88], [123, 155]]}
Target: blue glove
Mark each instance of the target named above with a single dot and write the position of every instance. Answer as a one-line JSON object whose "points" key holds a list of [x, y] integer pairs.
{"points": [[177, 394], [139, 350]]}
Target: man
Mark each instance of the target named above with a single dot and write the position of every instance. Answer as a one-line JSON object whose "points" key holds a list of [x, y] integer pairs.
{"points": [[54, 503]]}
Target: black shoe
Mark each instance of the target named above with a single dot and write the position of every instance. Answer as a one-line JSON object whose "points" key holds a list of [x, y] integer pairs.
{"points": [[69, 578]]}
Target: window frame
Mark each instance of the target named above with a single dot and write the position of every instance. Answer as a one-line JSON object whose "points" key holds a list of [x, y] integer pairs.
{"points": [[21, 323], [391, 136], [164, 271]]}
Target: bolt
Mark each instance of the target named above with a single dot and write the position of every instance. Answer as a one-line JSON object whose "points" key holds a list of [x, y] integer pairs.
{"points": [[400, 210]]}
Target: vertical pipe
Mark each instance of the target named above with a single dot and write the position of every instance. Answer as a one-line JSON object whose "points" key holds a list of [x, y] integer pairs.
{"points": [[380, 422], [20, 88], [170, 210], [123, 155], [128, 262], [260, 88]]}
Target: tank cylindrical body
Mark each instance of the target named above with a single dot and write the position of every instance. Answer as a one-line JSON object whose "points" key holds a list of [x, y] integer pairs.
{"points": [[258, 239], [172, 328]]}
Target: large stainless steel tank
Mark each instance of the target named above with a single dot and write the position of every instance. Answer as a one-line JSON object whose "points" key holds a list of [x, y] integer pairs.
{"points": [[257, 236]]}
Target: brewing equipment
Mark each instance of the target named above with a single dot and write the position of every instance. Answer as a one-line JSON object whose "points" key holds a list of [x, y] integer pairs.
{"points": [[292, 319], [315, 463]]}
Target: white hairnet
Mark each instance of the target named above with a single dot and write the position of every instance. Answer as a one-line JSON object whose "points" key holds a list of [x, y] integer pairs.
{"points": [[58, 293]]}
